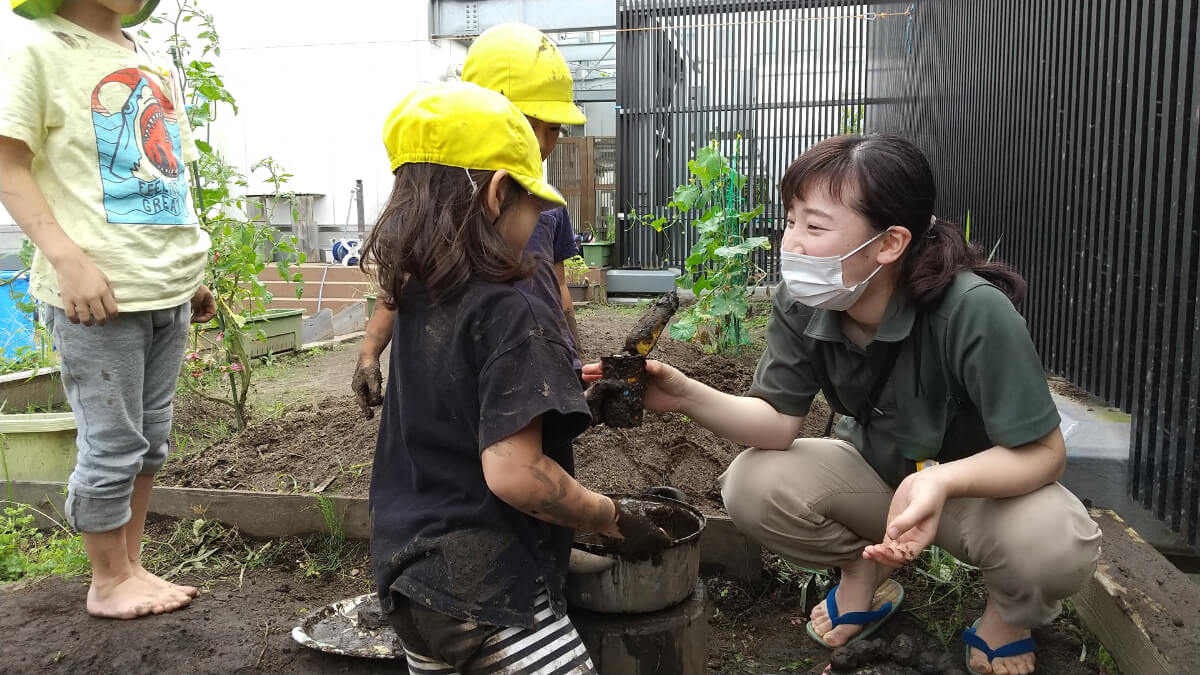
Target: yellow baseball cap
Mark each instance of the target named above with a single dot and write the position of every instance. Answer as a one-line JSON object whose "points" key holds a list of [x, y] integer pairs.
{"points": [[37, 9], [464, 125], [522, 63]]}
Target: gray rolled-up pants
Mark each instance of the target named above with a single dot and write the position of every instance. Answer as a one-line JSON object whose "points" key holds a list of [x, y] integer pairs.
{"points": [[120, 380], [819, 503]]}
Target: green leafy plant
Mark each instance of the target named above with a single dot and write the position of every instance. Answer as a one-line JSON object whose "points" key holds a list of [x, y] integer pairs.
{"points": [[944, 578], [26, 552], [240, 246], [576, 269], [718, 268]]}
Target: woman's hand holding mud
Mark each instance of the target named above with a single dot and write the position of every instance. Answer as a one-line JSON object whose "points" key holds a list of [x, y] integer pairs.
{"points": [[913, 519], [665, 385]]}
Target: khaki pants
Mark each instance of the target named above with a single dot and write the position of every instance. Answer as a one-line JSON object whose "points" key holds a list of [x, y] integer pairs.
{"points": [[819, 503]]}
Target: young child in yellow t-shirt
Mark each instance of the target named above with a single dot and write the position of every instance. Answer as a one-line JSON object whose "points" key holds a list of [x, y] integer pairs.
{"points": [[94, 143]]}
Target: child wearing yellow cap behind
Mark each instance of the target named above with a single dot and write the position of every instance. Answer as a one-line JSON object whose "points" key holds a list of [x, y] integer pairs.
{"points": [[473, 503], [525, 66]]}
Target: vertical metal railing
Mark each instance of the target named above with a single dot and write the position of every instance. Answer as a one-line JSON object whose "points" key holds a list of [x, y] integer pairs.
{"points": [[781, 75], [1070, 131]]}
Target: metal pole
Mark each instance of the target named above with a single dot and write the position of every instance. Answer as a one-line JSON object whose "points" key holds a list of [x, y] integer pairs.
{"points": [[362, 216]]}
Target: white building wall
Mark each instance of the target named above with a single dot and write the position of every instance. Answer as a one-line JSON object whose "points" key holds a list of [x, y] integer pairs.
{"points": [[314, 82]]}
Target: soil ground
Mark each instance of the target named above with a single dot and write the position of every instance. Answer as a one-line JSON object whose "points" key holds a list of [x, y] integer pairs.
{"points": [[242, 621]]}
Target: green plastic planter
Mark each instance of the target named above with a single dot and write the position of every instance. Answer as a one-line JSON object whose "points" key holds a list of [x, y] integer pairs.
{"points": [[598, 253], [281, 327], [39, 446]]}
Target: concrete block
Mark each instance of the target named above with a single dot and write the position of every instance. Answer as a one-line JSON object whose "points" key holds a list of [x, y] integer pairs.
{"points": [[351, 319], [317, 327], [641, 281]]}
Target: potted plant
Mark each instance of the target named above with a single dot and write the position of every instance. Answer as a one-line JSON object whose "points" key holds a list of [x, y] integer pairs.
{"points": [[598, 252], [372, 295], [577, 280]]}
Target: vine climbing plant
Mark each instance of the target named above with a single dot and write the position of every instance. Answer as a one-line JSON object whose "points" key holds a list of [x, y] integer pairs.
{"points": [[719, 267]]}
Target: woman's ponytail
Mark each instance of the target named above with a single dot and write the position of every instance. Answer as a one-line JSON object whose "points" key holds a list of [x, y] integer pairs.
{"points": [[941, 252]]}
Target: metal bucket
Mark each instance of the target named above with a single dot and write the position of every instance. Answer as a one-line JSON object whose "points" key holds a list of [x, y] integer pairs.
{"points": [[649, 585]]}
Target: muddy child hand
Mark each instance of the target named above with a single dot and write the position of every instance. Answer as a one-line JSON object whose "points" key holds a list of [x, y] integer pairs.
{"points": [[640, 537], [367, 385]]}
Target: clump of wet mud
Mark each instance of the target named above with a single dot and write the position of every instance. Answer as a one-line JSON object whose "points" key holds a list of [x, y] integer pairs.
{"points": [[901, 656]]}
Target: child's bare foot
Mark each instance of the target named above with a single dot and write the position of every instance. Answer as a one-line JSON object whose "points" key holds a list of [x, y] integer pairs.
{"points": [[995, 632], [143, 574], [855, 593], [130, 598]]}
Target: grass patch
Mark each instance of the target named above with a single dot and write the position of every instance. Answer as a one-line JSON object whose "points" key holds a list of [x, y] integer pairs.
{"points": [[205, 548], [614, 309], [787, 573], [328, 554], [29, 553], [943, 581]]}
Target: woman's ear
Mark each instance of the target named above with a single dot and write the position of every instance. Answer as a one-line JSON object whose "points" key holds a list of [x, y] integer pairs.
{"points": [[494, 194], [894, 243]]}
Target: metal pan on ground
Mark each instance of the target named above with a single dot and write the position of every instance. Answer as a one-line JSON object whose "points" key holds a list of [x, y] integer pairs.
{"points": [[350, 627]]}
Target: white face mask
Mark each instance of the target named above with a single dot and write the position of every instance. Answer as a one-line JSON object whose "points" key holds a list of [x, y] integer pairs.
{"points": [[817, 282]]}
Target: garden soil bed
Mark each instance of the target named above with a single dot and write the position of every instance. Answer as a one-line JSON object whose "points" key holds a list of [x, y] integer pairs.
{"points": [[327, 446], [245, 627]]}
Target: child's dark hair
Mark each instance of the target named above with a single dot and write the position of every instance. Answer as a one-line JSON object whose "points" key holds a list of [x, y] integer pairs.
{"points": [[434, 229], [888, 180]]}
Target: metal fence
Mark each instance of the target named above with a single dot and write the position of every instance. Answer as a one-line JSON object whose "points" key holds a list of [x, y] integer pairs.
{"points": [[1069, 130], [764, 79]]}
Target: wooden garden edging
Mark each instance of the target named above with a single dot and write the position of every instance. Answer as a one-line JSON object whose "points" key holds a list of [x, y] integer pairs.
{"points": [[723, 549], [1141, 607]]}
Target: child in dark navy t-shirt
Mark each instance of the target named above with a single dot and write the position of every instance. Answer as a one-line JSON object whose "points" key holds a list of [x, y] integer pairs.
{"points": [[473, 502]]}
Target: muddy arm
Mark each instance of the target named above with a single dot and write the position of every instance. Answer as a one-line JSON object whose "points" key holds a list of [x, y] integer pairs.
{"points": [[519, 474]]}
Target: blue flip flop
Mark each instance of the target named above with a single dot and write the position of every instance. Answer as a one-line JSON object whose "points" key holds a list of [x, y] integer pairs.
{"points": [[870, 620], [1023, 646]]}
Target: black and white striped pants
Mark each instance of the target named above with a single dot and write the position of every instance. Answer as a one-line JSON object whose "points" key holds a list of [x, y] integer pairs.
{"points": [[436, 644]]}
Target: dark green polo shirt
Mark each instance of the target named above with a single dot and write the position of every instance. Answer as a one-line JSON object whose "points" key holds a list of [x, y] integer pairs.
{"points": [[966, 378]]}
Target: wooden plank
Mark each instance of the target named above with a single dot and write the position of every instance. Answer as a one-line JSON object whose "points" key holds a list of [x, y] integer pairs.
{"points": [[1145, 611], [723, 549], [726, 551], [37, 422], [258, 514]]}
